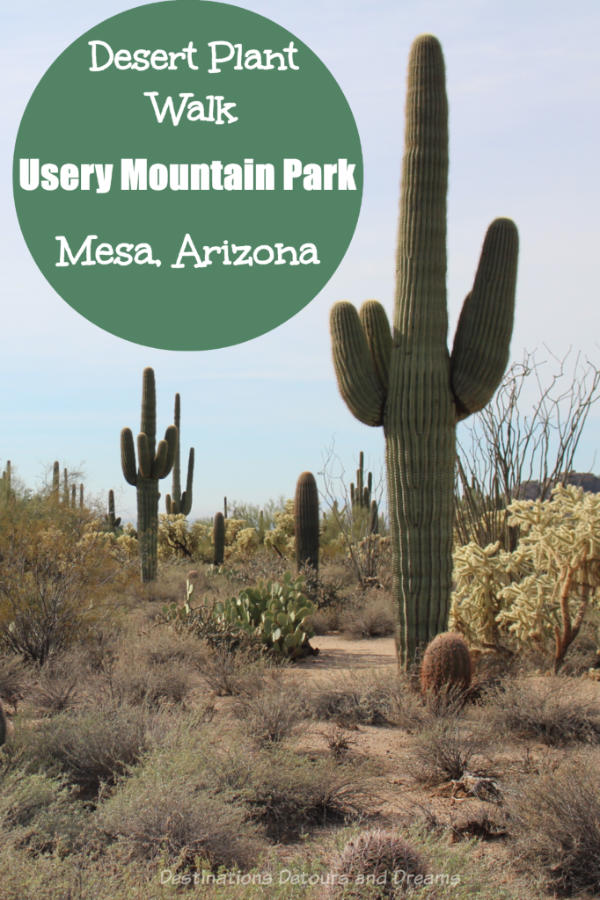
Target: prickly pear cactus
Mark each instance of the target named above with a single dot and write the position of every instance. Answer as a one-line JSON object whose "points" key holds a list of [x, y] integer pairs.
{"points": [[306, 521], [446, 664], [153, 463], [405, 379], [178, 503]]}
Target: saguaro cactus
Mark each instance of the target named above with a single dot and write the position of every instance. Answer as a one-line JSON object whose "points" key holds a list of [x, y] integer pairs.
{"points": [[153, 462], [112, 520], [406, 380], [360, 495], [219, 539], [306, 521], [6, 483], [177, 503]]}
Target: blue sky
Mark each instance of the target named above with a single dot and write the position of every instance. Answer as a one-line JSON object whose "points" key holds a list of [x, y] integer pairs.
{"points": [[523, 81]]}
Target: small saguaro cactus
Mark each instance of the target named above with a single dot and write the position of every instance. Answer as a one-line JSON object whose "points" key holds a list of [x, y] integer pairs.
{"points": [[55, 480], [306, 522], [178, 503], [5, 483], [360, 494], [406, 380], [446, 664], [153, 463], [219, 539], [111, 520]]}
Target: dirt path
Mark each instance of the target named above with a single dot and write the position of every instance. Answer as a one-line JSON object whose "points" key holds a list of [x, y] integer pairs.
{"points": [[335, 652]]}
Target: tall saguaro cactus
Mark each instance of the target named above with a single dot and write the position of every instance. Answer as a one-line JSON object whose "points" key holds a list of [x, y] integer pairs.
{"points": [[306, 521], [177, 503], [406, 380], [153, 463]]}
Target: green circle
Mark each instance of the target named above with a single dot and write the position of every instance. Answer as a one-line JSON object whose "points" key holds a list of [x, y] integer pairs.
{"points": [[276, 247]]}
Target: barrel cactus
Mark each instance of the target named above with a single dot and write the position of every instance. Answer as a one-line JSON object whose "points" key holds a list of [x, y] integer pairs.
{"points": [[154, 461], [306, 521], [379, 857], [446, 665], [405, 379]]}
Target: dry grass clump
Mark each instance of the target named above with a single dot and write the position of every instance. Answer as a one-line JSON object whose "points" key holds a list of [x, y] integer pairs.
{"points": [[366, 698], [138, 684], [555, 822], [14, 680], [234, 673], [178, 821], [443, 751], [288, 792], [272, 714], [373, 617], [37, 812], [554, 710], [88, 747]]}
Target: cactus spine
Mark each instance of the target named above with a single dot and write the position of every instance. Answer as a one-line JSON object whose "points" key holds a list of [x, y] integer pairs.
{"points": [[446, 664], [306, 521], [153, 463], [179, 503], [407, 381], [219, 539]]}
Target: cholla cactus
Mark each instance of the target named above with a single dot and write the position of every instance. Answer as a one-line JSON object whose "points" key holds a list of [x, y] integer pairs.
{"points": [[406, 380], [538, 594]]}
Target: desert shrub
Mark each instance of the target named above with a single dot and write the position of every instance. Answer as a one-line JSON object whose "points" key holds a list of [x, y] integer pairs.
{"points": [[380, 858], [555, 822], [287, 792], [553, 710], [443, 751], [57, 682], [367, 698], [14, 680], [178, 539], [88, 748], [39, 813], [374, 617], [137, 684], [174, 819], [55, 577], [281, 537], [234, 672], [273, 713]]}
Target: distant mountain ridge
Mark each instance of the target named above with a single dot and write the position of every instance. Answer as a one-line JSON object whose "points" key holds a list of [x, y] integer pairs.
{"points": [[531, 490]]}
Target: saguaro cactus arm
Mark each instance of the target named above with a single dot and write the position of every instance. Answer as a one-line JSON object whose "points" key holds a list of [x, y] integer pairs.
{"points": [[379, 338], [482, 339], [128, 457], [176, 502], [357, 376]]}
